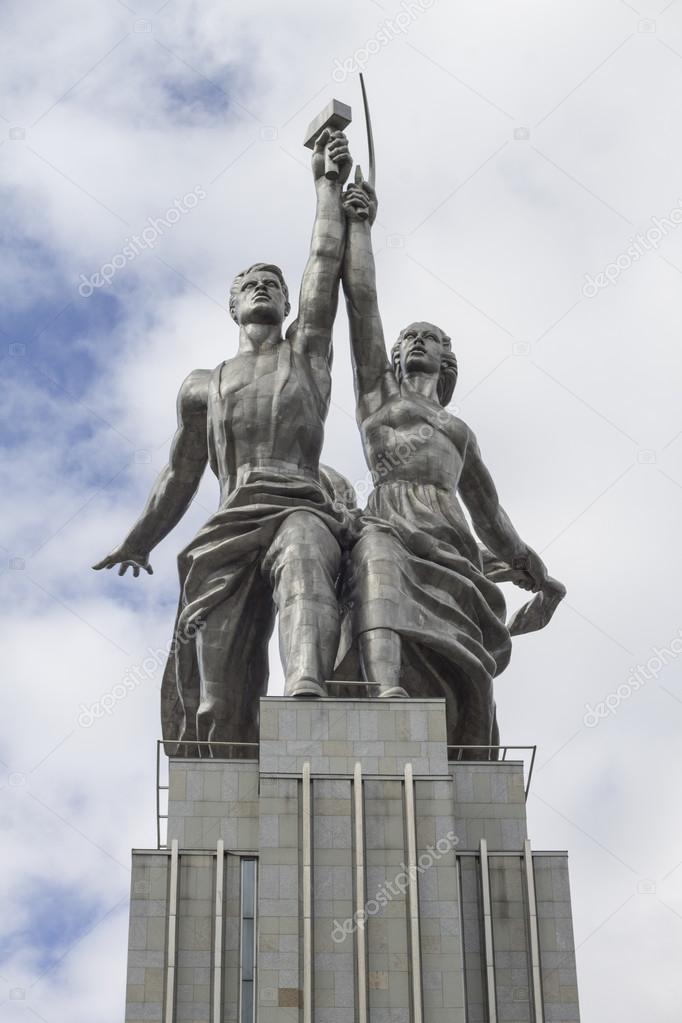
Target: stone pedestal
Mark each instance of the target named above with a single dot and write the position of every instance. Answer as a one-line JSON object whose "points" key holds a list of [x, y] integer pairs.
{"points": [[353, 873]]}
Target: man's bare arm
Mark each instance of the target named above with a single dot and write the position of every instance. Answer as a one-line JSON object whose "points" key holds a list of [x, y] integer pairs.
{"points": [[492, 523], [372, 373], [175, 486], [319, 295]]}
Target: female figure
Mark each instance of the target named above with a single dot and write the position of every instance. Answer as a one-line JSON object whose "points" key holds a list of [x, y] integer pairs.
{"points": [[428, 621]]}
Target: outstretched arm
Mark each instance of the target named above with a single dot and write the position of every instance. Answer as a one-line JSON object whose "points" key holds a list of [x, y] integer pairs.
{"points": [[492, 523], [320, 284], [176, 485], [372, 372]]}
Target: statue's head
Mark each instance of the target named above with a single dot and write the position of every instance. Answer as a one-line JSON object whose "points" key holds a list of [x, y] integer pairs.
{"points": [[259, 295], [424, 348]]}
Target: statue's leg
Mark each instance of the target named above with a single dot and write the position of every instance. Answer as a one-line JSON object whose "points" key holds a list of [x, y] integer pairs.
{"points": [[380, 659], [232, 657], [302, 565], [375, 559]]}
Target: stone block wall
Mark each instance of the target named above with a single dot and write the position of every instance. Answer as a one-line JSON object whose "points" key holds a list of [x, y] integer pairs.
{"points": [[437, 951]]}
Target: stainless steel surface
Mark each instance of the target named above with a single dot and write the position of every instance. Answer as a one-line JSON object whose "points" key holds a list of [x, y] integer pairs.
{"points": [[336, 116], [427, 615], [422, 613], [371, 180], [276, 540]]}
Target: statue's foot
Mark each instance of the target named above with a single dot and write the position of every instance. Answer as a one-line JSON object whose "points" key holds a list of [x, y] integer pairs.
{"points": [[305, 688], [393, 693]]}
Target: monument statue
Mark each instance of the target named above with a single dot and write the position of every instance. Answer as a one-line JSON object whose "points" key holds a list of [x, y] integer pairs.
{"points": [[427, 614], [424, 615], [276, 541], [430, 856]]}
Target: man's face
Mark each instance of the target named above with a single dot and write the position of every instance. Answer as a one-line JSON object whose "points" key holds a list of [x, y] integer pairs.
{"points": [[421, 348], [260, 299]]}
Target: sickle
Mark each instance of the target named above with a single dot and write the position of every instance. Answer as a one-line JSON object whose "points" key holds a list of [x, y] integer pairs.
{"points": [[370, 138]]}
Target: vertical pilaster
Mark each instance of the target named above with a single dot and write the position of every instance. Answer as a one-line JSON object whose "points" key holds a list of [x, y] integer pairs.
{"points": [[307, 882], [360, 893], [218, 933], [172, 933], [413, 901], [488, 933]]}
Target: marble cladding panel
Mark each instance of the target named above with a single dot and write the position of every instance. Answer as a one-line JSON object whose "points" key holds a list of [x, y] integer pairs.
{"points": [[439, 904], [511, 939], [212, 799], [332, 877], [557, 944], [472, 939], [489, 802], [195, 934], [332, 735], [280, 973], [147, 937], [386, 905]]}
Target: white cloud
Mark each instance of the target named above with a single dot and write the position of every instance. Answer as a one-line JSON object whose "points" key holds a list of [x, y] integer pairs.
{"points": [[490, 235]]}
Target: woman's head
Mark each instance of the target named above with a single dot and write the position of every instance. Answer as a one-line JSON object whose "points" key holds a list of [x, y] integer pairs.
{"points": [[424, 348]]}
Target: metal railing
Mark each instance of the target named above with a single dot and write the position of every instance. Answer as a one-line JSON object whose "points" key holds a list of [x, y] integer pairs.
{"points": [[160, 743], [490, 754]]}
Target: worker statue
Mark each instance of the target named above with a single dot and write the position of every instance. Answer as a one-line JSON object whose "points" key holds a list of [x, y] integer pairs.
{"points": [[275, 542]]}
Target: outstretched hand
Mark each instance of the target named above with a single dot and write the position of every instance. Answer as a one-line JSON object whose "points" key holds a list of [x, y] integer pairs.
{"points": [[125, 559], [360, 199]]}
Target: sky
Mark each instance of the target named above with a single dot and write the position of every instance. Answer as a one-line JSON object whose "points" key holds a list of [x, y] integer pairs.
{"points": [[529, 163]]}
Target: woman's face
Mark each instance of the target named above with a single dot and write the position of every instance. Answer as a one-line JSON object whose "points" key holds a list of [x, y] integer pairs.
{"points": [[421, 349]]}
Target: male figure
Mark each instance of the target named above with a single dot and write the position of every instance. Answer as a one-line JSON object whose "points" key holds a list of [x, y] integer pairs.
{"points": [[258, 418], [428, 620]]}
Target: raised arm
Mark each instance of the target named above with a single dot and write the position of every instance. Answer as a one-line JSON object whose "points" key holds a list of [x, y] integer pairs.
{"points": [[175, 486], [372, 373], [492, 523], [319, 295]]}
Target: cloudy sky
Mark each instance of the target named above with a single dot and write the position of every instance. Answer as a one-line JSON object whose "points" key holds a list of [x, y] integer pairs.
{"points": [[521, 149]]}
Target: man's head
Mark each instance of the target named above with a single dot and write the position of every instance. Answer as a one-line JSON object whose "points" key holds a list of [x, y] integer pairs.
{"points": [[259, 295], [424, 348]]}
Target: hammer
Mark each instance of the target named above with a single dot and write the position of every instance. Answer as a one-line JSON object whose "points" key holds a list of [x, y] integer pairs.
{"points": [[336, 116]]}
